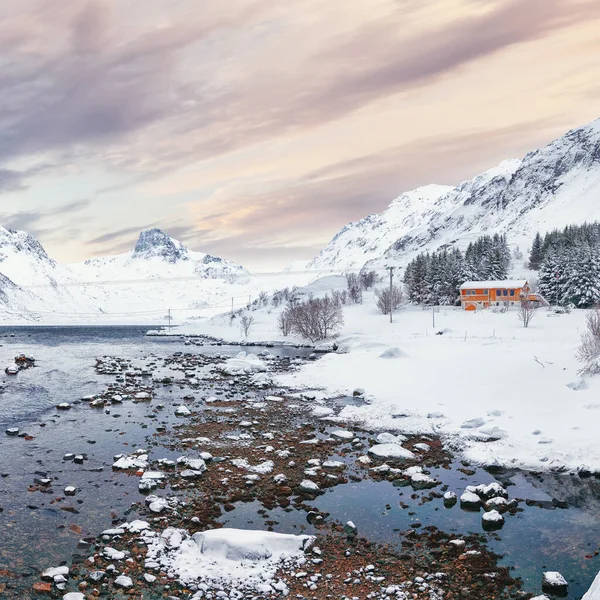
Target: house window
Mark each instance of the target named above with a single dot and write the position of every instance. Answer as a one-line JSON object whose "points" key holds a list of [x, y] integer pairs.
{"points": [[512, 292], [485, 292]]}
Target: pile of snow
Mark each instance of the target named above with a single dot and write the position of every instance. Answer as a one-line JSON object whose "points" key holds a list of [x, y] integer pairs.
{"points": [[237, 559], [243, 363], [594, 592]]}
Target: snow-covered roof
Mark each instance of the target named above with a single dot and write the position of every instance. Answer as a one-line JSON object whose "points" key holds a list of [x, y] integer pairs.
{"points": [[500, 283]]}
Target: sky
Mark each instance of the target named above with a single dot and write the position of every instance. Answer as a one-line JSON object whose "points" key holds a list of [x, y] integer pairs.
{"points": [[256, 129]]}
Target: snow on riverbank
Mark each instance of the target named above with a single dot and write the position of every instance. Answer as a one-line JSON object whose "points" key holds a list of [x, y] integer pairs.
{"points": [[510, 395], [594, 592]]}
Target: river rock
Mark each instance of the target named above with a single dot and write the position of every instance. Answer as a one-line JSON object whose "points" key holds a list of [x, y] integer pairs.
{"points": [[492, 520], [470, 501], [450, 499], [124, 581], [390, 451], [50, 573], [309, 486], [553, 581]]}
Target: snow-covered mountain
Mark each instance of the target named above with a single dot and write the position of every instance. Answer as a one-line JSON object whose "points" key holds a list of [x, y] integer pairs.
{"points": [[155, 256], [158, 275], [551, 187]]}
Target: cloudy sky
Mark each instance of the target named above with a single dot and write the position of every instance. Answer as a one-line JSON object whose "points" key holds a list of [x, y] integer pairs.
{"points": [[255, 129]]}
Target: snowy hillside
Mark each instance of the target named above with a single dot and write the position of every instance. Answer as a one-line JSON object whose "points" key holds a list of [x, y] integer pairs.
{"points": [[548, 188], [370, 237]]}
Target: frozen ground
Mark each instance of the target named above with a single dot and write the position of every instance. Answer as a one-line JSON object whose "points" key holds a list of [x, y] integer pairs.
{"points": [[507, 394]]}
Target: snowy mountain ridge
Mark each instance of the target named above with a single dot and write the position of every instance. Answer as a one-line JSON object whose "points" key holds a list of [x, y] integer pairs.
{"points": [[159, 274], [155, 255], [550, 187]]}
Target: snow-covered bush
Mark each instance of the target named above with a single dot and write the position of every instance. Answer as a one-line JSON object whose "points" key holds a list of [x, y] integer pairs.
{"points": [[589, 350], [386, 298]]}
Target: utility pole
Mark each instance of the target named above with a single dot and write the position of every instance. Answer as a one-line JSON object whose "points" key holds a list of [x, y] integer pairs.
{"points": [[391, 269], [433, 314], [169, 317]]}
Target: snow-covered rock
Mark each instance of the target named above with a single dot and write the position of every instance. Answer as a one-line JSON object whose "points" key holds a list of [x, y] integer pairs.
{"points": [[554, 581], [244, 559], [492, 520], [390, 451]]}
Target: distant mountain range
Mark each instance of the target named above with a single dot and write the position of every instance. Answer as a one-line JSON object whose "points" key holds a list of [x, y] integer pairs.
{"points": [[159, 273], [556, 185]]}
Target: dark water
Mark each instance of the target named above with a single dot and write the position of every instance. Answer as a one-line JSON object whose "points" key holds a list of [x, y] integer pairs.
{"points": [[36, 533], [532, 541]]}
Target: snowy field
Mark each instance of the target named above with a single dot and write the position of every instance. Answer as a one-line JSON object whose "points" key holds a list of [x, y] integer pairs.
{"points": [[506, 394]]}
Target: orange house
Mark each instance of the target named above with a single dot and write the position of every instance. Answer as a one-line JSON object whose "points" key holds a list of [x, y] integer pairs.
{"points": [[482, 294]]}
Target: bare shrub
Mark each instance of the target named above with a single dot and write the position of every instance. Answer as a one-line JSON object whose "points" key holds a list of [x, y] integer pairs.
{"points": [[315, 319], [389, 299], [340, 296], [246, 322], [355, 288], [263, 299], [589, 350], [285, 321], [527, 310], [368, 279]]}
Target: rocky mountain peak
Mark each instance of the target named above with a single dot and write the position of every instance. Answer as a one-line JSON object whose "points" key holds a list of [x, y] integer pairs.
{"points": [[21, 242], [155, 243]]}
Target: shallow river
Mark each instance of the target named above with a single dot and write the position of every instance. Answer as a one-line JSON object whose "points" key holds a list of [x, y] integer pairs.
{"points": [[38, 532]]}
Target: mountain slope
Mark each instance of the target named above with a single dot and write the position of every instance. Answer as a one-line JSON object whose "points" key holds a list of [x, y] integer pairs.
{"points": [[370, 237], [550, 187]]}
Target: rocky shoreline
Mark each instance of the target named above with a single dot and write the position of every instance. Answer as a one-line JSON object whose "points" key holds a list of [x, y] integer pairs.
{"points": [[240, 441]]}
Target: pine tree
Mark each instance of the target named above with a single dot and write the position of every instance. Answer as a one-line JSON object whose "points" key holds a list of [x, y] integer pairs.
{"points": [[536, 255], [583, 286], [553, 276]]}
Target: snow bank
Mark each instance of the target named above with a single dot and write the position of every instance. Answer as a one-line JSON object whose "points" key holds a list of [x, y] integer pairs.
{"points": [[501, 390], [236, 558], [594, 592]]}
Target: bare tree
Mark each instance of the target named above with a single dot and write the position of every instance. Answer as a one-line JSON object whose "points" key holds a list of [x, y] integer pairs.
{"points": [[387, 298], [246, 322], [355, 288], [263, 299], [589, 350], [315, 319], [527, 311], [285, 321], [368, 279]]}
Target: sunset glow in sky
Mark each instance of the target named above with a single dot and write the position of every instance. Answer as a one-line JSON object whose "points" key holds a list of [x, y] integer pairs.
{"points": [[256, 129]]}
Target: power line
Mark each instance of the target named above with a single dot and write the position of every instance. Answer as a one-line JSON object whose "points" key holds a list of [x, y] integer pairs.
{"points": [[234, 278]]}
